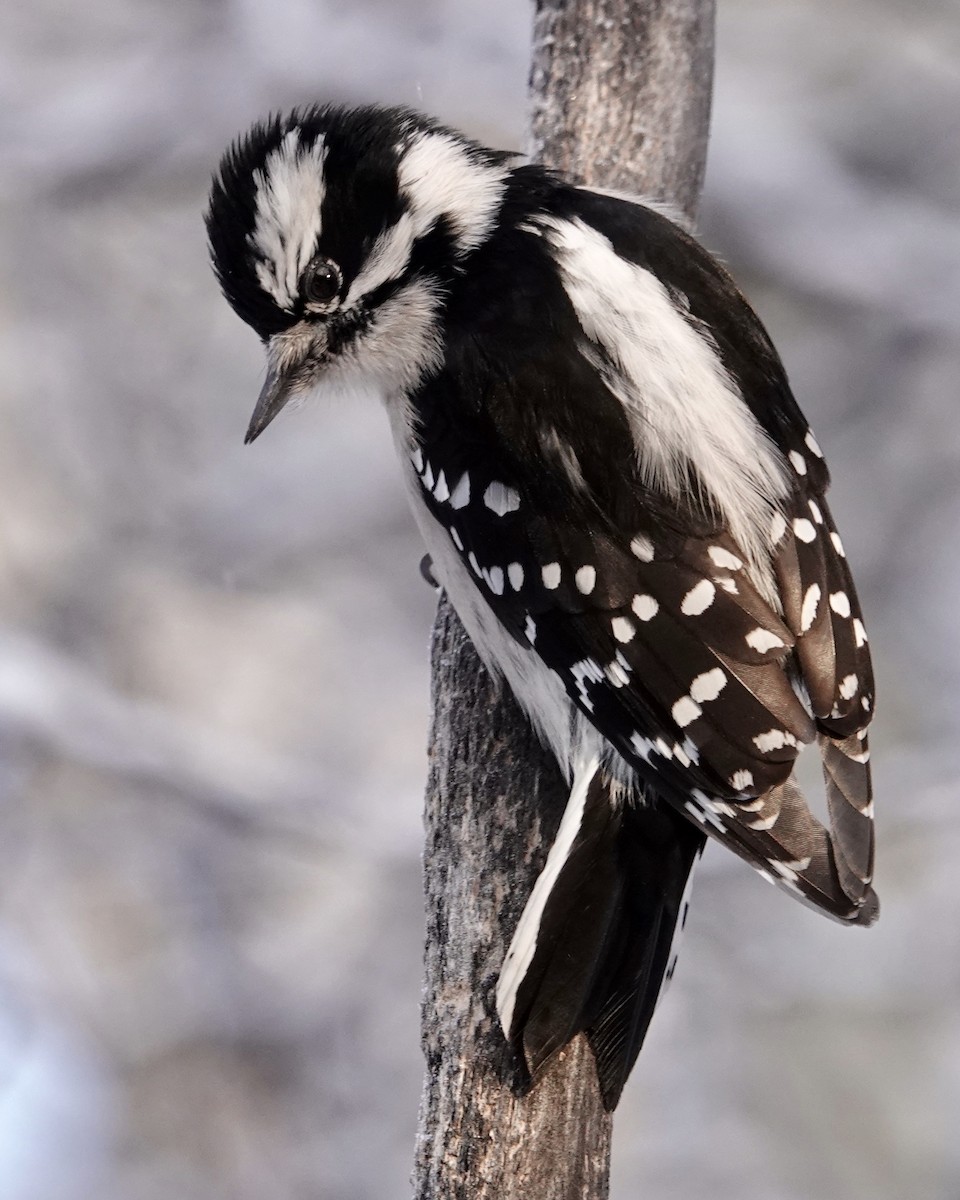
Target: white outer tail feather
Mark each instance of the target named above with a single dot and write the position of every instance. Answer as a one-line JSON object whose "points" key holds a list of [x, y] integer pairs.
{"points": [[524, 943]]}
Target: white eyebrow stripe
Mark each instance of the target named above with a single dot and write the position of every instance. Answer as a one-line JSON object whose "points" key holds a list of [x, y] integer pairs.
{"points": [[437, 177], [289, 196]]}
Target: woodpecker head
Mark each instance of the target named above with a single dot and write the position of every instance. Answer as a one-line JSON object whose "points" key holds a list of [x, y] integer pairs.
{"points": [[335, 235]]}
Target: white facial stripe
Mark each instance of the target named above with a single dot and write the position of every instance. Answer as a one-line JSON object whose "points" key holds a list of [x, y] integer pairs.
{"points": [[388, 258], [289, 194], [439, 177], [683, 407]]}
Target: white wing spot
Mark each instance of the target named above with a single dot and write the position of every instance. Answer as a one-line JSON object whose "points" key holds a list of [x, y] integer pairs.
{"points": [[460, 496], [812, 444], [617, 675], [455, 537], [623, 629], [798, 462], [815, 511], [586, 579], [684, 711], [707, 809], [838, 545], [723, 558], [416, 457], [495, 580], [848, 687], [642, 548], [709, 685], [427, 477], [859, 632], [643, 746], [694, 811], [530, 629], [691, 751], [808, 610], [778, 527], [840, 603], [741, 780], [798, 864], [551, 576], [773, 739], [584, 671], [501, 499], [441, 492], [515, 575], [763, 640], [717, 806], [645, 607], [698, 599], [804, 529], [474, 565]]}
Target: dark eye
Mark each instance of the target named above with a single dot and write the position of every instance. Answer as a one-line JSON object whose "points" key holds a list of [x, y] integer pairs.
{"points": [[321, 282]]}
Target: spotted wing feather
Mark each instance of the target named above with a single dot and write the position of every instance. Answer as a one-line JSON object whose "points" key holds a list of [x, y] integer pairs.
{"points": [[688, 665], [823, 612], [672, 653]]}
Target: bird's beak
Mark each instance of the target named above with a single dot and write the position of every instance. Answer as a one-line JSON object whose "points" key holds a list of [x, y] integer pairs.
{"points": [[276, 391], [294, 359]]}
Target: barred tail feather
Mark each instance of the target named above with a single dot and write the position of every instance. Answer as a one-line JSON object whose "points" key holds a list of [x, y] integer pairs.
{"points": [[850, 803], [596, 940]]}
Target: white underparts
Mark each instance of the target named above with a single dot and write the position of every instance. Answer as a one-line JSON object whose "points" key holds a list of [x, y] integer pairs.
{"points": [[289, 196], [524, 943], [683, 408]]}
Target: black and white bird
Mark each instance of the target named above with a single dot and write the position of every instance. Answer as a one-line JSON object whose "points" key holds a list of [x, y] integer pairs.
{"points": [[622, 500]]}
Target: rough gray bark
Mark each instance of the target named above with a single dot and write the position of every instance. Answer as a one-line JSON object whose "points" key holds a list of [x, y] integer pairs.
{"points": [[621, 98], [621, 94]]}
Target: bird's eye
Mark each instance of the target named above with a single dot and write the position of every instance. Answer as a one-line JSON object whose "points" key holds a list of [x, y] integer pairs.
{"points": [[321, 283]]}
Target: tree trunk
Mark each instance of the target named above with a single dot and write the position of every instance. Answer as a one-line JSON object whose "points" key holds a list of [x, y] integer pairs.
{"points": [[621, 99]]}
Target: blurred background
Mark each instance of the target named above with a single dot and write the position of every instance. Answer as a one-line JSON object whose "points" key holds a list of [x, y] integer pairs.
{"points": [[213, 660]]}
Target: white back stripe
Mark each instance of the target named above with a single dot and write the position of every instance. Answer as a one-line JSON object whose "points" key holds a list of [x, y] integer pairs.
{"points": [[683, 407]]}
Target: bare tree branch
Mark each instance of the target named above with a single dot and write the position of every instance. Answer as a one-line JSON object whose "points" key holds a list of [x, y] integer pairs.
{"points": [[621, 98], [621, 94]]}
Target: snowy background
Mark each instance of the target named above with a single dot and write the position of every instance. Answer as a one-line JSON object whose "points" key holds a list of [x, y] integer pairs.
{"points": [[213, 687]]}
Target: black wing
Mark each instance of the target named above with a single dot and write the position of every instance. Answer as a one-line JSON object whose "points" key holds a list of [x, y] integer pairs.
{"points": [[644, 607]]}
